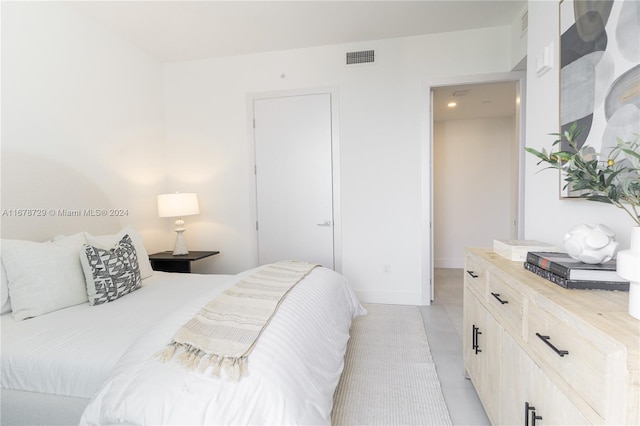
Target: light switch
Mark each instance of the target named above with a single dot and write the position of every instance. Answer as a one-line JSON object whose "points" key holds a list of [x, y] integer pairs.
{"points": [[544, 60]]}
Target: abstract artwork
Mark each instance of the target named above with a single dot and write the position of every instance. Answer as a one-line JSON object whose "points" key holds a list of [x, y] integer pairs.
{"points": [[600, 71]]}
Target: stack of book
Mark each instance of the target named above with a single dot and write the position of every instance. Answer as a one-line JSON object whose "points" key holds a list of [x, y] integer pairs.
{"points": [[562, 269]]}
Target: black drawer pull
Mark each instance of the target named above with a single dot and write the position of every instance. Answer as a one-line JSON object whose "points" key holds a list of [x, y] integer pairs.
{"points": [[497, 296], [546, 339], [473, 274], [476, 345], [527, 408], [474, 337], [534, 417]]}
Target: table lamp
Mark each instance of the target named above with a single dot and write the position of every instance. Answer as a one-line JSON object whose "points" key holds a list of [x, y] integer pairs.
{"points": [[178, 205]]}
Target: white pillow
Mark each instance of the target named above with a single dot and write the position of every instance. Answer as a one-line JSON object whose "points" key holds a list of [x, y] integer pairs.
{"points": [[107, 242], [5, 301], [44, 277]]}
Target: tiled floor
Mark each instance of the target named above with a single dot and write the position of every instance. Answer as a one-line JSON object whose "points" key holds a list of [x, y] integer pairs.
{"points": [[443, 323]]}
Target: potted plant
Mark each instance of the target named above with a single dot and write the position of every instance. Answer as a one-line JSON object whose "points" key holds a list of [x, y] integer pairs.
{"points": [[612, 180]]}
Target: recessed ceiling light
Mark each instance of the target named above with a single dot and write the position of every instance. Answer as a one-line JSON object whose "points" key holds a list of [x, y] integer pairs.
{"points": [[451, 104]]}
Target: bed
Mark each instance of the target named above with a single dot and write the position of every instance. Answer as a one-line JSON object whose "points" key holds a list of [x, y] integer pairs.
{"points": [[98, 364]]}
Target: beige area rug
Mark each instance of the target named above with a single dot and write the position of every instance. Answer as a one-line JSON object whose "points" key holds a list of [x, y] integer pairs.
{"points": [[389, 376]]}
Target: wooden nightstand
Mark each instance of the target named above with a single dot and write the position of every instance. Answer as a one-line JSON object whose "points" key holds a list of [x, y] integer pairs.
{"points": [[167, 262]]}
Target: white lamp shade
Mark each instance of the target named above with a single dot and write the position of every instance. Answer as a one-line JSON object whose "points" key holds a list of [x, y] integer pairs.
{"points": [[178, 204]]}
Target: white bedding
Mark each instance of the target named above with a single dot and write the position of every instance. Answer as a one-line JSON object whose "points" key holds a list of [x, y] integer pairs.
{"points": [[292, 372], [71, 351]]}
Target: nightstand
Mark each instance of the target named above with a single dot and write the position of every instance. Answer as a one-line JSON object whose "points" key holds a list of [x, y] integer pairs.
{"points": [[167, 262]]}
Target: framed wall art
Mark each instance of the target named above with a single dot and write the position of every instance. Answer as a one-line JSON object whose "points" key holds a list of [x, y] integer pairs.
{"points": [[599, 72]]}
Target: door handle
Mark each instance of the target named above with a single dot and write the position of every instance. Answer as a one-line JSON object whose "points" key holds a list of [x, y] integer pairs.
{"points": [[326, 224]]}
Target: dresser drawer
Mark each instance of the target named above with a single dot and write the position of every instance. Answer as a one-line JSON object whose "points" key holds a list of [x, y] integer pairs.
{"points": [[475, 276], [505, 302], [588, 361]]}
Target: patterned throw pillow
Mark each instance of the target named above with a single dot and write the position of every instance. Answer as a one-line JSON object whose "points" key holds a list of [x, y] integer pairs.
{"points": [[111, 274]]}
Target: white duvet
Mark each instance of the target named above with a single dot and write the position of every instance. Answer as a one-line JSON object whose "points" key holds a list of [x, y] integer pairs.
{"points": [[292, 372], [71, 351]]}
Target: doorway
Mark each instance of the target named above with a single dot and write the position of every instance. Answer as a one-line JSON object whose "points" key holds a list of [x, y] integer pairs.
{"points": [[294, 172], [475, 164]]}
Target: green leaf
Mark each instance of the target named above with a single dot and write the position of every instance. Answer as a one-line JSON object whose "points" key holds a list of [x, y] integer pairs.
{"points": [[597, 198]]}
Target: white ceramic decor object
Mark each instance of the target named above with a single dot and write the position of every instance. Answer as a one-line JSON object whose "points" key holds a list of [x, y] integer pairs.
{"points": [[628, 267], [591, 243]]}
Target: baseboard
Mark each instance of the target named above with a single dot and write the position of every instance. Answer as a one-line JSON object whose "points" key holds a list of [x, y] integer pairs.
{"points": [[389, 297]]}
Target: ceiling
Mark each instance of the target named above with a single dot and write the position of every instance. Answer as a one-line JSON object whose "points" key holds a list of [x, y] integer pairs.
{"points": [[475, 101], [173, 31]]}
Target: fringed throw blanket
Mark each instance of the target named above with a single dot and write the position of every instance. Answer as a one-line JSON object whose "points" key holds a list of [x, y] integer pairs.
{"points": [[224, 332]]}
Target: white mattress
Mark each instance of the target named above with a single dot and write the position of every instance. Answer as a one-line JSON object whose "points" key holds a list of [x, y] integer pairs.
{"points": [[71, 351]]}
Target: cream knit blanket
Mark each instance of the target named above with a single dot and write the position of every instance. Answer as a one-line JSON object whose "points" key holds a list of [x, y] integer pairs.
{"points": [[224, 332]]}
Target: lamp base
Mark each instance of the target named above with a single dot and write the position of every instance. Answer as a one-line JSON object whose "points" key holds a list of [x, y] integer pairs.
{"points": [[180, 247]]}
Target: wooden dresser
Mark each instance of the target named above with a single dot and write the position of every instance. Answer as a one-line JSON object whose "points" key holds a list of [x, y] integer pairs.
{"points": [[540, 354]]}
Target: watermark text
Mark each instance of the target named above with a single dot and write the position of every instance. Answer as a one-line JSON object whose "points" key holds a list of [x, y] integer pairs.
{"points": [[61, 212]]}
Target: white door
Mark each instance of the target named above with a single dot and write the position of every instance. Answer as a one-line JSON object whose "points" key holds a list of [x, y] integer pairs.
{"points": [[294, 179]]}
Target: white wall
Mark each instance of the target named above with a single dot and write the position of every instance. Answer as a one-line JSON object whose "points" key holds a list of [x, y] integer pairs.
{"points": [[472, 166], [547, 218], [82, 124], [381, 113], [518, 42]]}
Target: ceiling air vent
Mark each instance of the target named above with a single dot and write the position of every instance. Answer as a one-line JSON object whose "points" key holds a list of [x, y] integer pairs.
{"points": [[361, 57]]}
